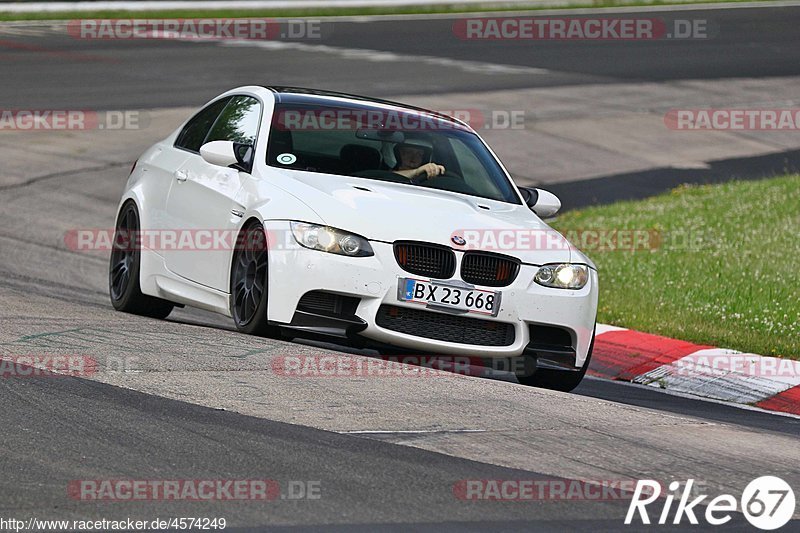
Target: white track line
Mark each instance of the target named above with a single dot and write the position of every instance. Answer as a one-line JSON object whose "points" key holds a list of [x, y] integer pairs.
{"points": [[559, 7], [23, 7], [377, 56], [726, 375], [605, 328]]}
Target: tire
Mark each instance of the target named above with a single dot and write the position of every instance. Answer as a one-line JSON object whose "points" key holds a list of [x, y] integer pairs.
{"points": [[249, 282], [560, 380], [124, 267]]}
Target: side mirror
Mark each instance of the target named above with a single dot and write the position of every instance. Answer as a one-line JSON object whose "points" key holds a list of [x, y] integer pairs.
{"points": [[543, 203], [219, 153], [228, 154]]}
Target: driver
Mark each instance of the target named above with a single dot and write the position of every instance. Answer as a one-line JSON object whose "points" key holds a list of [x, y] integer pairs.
{"points": [[410, 162]]}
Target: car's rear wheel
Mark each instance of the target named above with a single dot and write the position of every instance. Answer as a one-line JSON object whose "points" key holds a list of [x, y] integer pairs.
{"points": [[249, 276], [560, 380], [124, 268]]}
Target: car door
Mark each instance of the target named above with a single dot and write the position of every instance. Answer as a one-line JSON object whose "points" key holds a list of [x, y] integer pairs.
{"points": [[163, 164], [202, 201]]}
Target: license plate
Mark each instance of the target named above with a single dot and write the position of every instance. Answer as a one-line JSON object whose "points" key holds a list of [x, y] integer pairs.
{"points": [[449, 296]]}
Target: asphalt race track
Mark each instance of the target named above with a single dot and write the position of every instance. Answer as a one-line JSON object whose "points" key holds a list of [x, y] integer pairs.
{"points": [[189, 398], [54, 69]]}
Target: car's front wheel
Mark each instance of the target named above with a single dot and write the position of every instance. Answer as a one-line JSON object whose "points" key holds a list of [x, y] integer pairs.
{"points": [[560, 380], [124, 267], [249, 275]]}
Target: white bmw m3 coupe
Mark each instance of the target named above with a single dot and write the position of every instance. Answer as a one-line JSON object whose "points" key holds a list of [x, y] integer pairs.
{"points": [[299, 212]]}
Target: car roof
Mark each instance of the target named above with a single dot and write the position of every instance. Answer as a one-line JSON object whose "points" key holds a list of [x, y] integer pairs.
{"points": [[303, 95]]}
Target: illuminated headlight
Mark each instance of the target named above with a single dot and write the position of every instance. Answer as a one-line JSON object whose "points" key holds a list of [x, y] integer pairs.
{"points": [[330, 240], [564, 276]]}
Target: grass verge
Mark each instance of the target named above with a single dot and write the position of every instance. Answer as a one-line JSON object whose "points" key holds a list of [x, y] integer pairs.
{"points": [[725, 272], [333, 11]]}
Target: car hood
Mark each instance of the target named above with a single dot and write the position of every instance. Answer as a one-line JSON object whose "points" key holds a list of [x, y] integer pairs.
{"points": [[388, 212]]}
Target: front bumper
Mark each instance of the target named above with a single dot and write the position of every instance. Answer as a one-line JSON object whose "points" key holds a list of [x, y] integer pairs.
{"points": [[295, 271]]}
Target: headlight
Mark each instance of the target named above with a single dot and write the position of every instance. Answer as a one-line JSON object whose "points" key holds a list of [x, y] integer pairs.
{"points": [[330, 240], [564, 276]]}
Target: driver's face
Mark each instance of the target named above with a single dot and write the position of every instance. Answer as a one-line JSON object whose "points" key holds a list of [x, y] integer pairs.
{"points": [[411, 157]]}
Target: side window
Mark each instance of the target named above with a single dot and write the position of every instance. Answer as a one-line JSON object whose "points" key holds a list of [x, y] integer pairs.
{"points": [[238, 122], [196, 130], [327, 143]]}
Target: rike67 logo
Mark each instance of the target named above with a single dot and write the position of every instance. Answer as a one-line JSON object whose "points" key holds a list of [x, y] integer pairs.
{"points": [[767, 502]]}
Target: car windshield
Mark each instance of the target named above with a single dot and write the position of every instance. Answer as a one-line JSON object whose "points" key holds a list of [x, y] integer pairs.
{"points": [[386, 144]]}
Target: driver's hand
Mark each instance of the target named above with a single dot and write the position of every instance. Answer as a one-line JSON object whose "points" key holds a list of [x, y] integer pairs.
{"points": [[430, 170]]}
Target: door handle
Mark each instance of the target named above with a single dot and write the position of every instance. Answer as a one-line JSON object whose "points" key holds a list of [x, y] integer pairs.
{"points": [[181, 175]]}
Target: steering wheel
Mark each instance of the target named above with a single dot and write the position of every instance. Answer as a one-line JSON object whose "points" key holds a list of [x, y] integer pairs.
{"points": [[422, 178]]}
